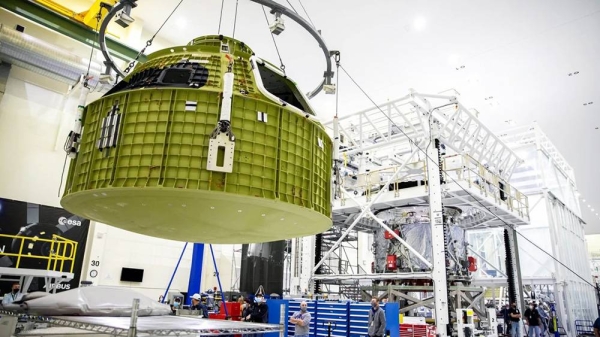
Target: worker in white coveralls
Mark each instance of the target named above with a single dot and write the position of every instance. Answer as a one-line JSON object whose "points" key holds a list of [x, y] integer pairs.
{"points": [[301, 320]]}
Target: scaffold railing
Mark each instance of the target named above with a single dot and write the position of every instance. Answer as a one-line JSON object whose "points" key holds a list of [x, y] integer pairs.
{"points": [[457, 168]]}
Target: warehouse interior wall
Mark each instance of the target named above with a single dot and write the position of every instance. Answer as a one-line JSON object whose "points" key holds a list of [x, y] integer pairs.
{"points": [[534, 262]]}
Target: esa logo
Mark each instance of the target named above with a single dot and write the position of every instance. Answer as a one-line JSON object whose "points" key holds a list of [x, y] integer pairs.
{"points": [[64, 221]]}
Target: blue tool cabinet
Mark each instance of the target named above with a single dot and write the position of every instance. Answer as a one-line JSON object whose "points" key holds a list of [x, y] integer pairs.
{"points": [[294, 306], [347, 319], [334, 313]]}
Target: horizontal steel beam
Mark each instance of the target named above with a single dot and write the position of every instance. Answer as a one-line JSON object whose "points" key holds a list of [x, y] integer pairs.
{"points": [[420, 288], [501, 281], [385, 276], [67, 27]]}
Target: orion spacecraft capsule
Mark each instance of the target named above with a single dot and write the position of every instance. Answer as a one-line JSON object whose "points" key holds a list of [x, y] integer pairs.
{"points": [[204, 143]]}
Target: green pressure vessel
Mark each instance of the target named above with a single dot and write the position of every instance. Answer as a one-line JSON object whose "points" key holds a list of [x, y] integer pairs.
{"points": [[204, 143]]}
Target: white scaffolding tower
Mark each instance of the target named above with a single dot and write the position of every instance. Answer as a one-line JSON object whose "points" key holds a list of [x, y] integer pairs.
{"points": [[388, 158]]}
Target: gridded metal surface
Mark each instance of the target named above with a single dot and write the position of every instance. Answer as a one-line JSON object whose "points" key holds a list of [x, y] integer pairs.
{"points": [[281, 164], [322, 165], [163, 325]]}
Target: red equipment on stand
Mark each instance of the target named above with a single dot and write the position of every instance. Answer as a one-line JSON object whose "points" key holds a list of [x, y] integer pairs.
{"points": [[388, 235], [391, 262], [233, 308], [472, 264]]}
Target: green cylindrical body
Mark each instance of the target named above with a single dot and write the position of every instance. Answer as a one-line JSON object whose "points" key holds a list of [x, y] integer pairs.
{"points": [[155, 181]]}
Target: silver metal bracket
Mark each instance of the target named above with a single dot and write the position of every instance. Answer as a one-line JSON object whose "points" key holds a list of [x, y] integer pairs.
{"points": [[220, 148]]}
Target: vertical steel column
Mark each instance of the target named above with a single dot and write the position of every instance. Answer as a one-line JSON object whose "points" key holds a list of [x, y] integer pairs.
{"points": [[560, 277], [513, 268], [195, 271], [440, 286]]}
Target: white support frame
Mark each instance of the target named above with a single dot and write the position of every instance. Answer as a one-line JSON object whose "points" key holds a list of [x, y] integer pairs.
{"points": [[459, 130], [438, 242], [381, 135], [365, 210]]}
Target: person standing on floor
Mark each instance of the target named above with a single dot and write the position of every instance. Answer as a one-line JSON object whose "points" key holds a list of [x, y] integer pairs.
{"points": [[301, 319], [260, 311], [532, 316], [515, 320], [544, 318], [506, 318], [376, 320], [597, 327]]}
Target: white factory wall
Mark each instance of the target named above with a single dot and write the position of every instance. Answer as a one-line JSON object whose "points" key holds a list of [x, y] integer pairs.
{"points": [[35, 117], [534, 262], [593, 244], [31, 112], [110, 249], [228, 258]]}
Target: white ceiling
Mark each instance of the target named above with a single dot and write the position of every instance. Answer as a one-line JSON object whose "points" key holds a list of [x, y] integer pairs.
{"points": [[518, 52]]}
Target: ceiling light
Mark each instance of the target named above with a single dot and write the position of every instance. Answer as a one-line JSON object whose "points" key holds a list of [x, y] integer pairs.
{"points": [[420, 23], [583, 200], [592, 209], [589, 206]]}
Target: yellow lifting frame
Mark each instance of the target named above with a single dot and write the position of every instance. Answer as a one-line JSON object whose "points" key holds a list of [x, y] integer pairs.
{"points": [[87, 18]]}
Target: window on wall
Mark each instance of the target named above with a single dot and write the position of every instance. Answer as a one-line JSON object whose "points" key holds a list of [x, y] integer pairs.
{"points": [[283, 88]]}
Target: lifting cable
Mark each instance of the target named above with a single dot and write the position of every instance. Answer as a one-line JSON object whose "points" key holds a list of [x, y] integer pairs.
{"points": [[274, 42], [462, 188], [149, 42], [235, 18], [305, 12], [86, 78], [292, 6], [221, 17], [337, 58], [87, 74]]}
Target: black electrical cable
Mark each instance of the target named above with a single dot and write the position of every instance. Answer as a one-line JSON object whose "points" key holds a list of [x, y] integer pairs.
{"points": [[274, 42], [235, 18], [453, 180], [221, 17], [305, 12]]}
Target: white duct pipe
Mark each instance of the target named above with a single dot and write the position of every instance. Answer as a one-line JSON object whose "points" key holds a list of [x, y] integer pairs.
{"points": [[46, 59], [336, 139], [75, 135], [227, 97]]}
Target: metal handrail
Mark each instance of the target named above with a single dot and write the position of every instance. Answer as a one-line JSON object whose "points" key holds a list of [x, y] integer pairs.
{"points": [[469, 170], [61, 250]]}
